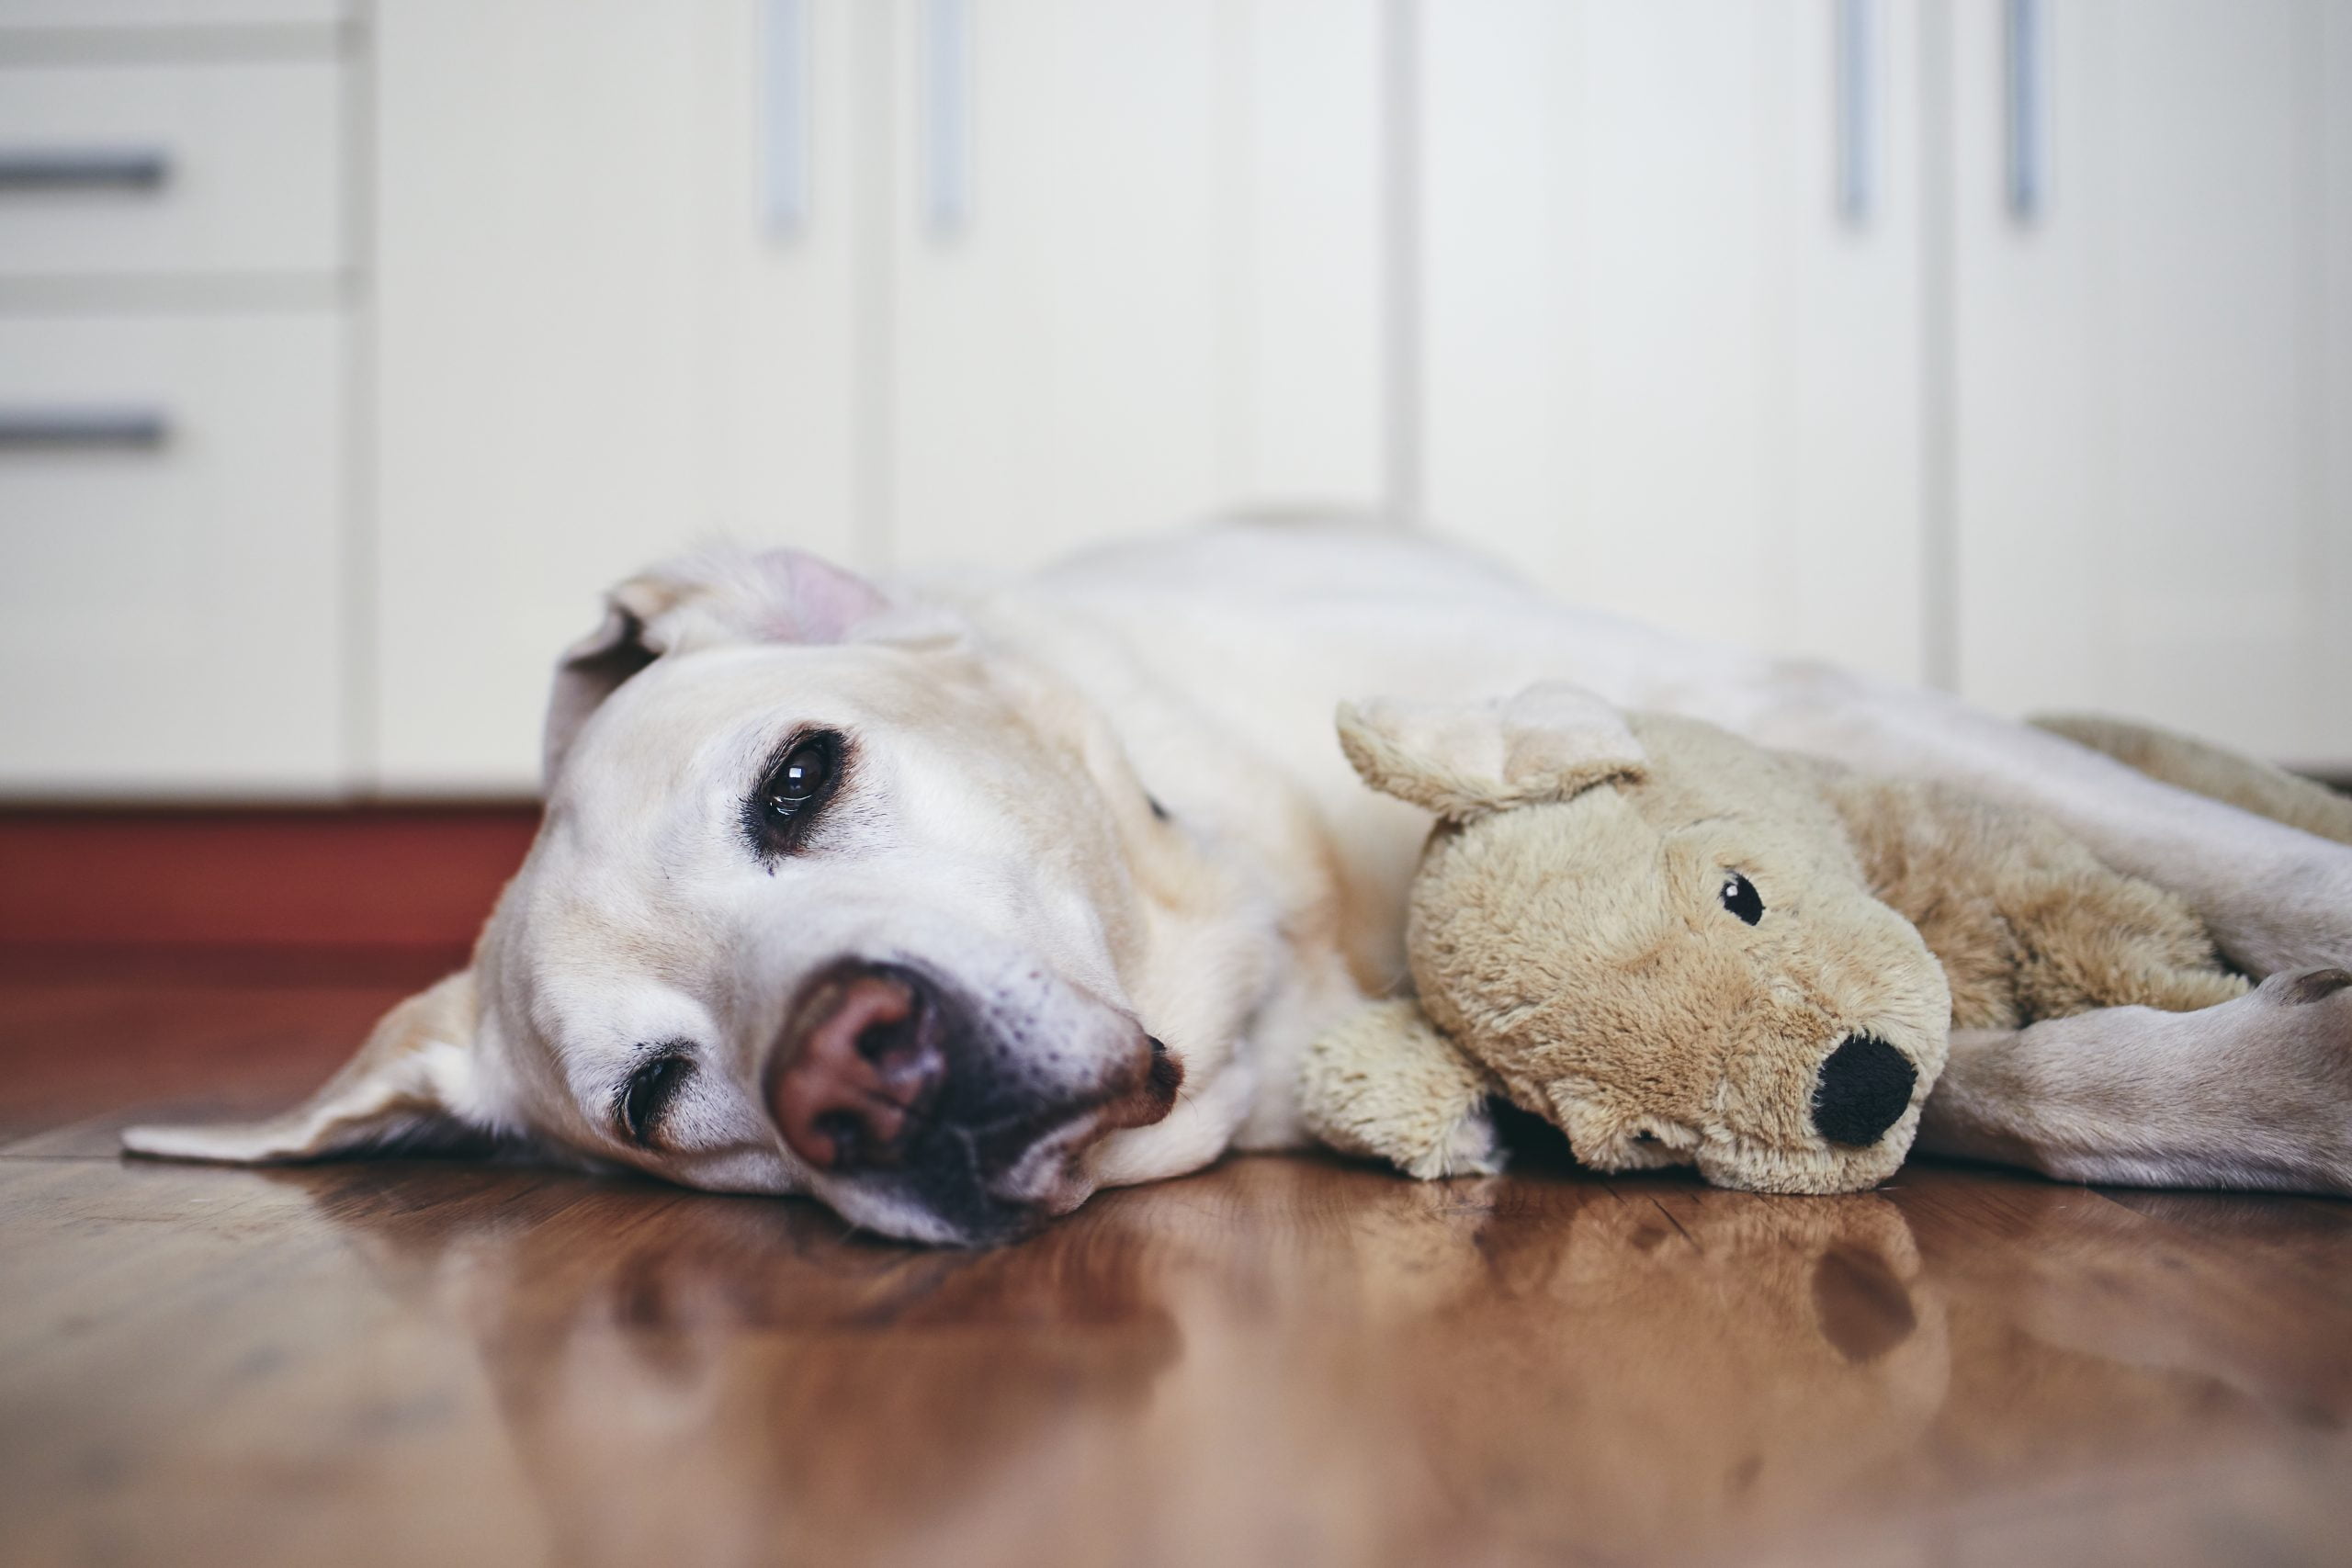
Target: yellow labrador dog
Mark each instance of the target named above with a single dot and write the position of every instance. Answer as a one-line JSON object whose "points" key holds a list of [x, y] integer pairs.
{"points": [[949, 903]]}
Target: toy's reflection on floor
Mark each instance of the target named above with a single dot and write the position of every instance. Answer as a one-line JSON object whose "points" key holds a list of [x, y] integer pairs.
{"points": [[1382, 1369]]}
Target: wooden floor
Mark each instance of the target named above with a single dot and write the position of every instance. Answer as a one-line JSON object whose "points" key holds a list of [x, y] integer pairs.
{"points": [[1280, 1362]]}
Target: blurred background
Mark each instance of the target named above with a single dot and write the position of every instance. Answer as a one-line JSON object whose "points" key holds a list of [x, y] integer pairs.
{"points": [[347, 351]]}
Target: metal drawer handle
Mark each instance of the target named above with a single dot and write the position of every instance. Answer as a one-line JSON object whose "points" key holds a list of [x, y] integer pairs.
{"points": [[1856, 109], [2025, 110], [947, 67], [784, 115], [84, 168], [131, 429]]}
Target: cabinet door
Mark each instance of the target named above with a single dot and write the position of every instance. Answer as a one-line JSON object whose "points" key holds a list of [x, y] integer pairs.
{"points": [[594, 344], [171, 583], [1135, 268], [2150, 367], [1666, 371]]}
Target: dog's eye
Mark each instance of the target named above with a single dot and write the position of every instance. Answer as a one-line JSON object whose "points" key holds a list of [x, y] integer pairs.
{"points": [[777, 815], [800, 778], [648, 1092], [1739, 897]]}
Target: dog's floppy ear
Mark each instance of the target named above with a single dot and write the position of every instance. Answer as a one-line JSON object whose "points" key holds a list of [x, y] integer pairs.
{"points": [[414, 1085], [699, 600], [1550, 742]]}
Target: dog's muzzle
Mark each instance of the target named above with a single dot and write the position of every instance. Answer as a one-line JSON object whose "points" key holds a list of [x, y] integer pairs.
{"points": [[883, 1076]]}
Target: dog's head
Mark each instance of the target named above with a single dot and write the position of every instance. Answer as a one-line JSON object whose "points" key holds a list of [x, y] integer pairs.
{"points": [[832, 896], [1657, 935]]}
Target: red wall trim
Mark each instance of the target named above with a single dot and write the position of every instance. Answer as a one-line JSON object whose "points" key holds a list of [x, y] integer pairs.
{"points": [[367, 889]]}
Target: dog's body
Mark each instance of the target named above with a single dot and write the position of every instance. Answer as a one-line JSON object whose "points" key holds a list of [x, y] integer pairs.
{"points": [[1051, 814]]}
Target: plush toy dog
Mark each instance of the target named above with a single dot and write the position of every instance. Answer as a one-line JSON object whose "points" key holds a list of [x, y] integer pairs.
{"points": [[1682, 948]]}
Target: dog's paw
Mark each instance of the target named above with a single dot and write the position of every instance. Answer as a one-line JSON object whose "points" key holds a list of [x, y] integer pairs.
{"points": [[2305, 988], [2298, 1053]]}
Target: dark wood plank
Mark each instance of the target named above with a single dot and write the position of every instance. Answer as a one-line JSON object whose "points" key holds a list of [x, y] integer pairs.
{"points": [[1280, 1361], [107, 1051]]}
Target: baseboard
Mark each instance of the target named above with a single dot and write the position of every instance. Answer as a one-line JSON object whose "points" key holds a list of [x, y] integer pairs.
{"points": [[355, 893]]}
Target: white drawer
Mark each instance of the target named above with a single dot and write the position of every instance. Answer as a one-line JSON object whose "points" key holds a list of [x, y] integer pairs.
{"points": [[79, 14], [171, 608], [133, 168]]}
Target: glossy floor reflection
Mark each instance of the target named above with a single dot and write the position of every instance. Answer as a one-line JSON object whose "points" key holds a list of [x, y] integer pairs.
{"points": [[1281, 1360]]}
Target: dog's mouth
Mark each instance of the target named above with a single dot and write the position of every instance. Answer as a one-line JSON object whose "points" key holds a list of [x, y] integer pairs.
{"points": [[986, 1186], [1050, 1175], [887, 1086]]}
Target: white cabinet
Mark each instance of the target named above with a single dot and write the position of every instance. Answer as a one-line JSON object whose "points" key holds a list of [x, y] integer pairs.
{"points": [[592, 348], [139, 17], [2153, 369], [1135, 268], [172, 598], [1667, 370], [594, 344], [1723, 317], [175, 274], [2093, 453]]}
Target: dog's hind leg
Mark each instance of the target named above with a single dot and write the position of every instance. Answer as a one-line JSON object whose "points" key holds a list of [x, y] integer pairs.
{"points": [[2252, 1093], [2276, 898], [2212, 770]]}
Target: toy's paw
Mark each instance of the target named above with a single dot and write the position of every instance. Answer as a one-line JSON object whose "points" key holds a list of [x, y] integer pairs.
{"points": [[1471, 1146], [1386, 1084]]}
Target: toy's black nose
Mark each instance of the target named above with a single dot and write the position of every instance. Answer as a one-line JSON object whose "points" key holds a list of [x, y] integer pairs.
{"points": [[1864, 1086]]}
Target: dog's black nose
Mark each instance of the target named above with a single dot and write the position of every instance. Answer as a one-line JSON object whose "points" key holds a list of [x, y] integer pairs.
{"points": [[1864, 1086]]}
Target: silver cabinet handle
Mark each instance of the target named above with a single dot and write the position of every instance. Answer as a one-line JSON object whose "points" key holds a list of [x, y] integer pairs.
{"points": [[1857, 109], [126, 428], [2024, 108], [784, 109], [83, 168], [948, 114]]}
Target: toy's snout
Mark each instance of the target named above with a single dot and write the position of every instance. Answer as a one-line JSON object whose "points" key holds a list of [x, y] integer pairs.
{"points": [[1865, 1086]]}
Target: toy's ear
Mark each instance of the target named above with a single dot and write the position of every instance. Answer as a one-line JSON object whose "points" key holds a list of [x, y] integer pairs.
{"points": [[1550, 742], [413, 1085], [698, 601], [1385, 1083]]}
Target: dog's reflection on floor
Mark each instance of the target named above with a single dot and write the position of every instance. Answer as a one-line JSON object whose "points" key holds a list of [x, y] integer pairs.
{"points": [[1283, 1352]]}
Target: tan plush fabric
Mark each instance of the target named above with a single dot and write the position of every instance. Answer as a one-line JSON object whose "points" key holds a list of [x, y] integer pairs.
{"points": [[1587, 943], [2026, 921], [1387, 1086]]}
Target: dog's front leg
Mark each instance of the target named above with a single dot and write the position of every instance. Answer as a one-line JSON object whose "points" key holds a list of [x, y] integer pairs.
{"points": [[2252, 1093]]}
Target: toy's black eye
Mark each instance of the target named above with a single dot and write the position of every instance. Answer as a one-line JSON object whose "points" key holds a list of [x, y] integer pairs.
{"points": [[648, 1092], [1739, 897], [777, 815]]}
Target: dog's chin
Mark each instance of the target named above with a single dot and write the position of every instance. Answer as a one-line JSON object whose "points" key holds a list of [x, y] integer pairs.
{"points": [[1057, 1173], [888, 1212], [1051, 1177], [892, 1212], [1054, 1176]]}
